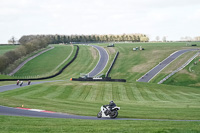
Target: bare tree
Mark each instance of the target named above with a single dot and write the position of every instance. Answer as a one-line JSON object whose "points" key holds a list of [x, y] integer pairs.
{"points": [[12, 40], [164, 38]]}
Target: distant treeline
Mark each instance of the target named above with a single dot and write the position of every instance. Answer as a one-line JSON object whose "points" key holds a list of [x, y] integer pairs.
{"points": [[24, 49], [55, 39]]}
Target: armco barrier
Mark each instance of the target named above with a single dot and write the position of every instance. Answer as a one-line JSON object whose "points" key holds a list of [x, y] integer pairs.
{"points": [[107, 79], [48, 77], [108, 72], [180, 68]]}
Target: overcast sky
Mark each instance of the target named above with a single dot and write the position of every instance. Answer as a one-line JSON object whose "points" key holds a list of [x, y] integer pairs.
{"points": [[171, 18]]}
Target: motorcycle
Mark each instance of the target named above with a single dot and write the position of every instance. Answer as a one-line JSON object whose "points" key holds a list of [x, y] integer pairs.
{"points": [[106, 112]]}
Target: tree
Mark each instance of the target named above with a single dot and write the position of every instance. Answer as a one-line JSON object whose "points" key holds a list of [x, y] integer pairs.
{"points": [[157, 38], [164, 38], [12, 40]]}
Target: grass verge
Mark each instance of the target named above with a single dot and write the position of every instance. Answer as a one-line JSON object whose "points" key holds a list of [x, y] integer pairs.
{"points": [[40, 125]]}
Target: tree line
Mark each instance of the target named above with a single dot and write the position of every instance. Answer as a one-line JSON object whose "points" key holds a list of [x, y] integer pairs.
{"points": [[55, 39], [21, 51], [31, 43]]}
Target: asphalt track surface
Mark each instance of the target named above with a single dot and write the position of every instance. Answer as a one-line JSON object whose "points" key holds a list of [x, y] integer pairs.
{"points": [[153, 72], [103, 60]]}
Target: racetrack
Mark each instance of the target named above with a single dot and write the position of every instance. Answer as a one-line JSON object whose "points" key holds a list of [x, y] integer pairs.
{"points": [[28, 113], [103, 60], [33, 113], [153, 72]]}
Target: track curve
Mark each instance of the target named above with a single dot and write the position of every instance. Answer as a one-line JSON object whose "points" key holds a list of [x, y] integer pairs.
{"points": [[103, 60], [28, 113]]}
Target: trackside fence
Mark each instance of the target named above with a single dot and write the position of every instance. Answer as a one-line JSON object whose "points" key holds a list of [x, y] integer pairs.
{"points": [[111, 66]]}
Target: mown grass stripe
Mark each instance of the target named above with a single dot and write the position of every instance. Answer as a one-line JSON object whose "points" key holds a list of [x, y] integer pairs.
{"points": [[18, 91], [152, 96], [30, 92], [108, 92], [162, 95], [195, 95], [92, 93], [130, 92], [123, 93], [55, 92], [181, 96], [115, 92], [144, 94], [137, 94], [100, 92], [77, 92], [85, 92], [65, 92], [187, 95], [172, 94], [42, 92]]}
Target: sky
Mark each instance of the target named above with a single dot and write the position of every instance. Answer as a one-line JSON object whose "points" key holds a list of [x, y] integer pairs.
{"points": [[171, 18]]}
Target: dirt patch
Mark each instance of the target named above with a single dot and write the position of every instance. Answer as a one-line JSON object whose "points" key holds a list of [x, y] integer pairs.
{"points": [[94, 52], [192, 75], [196, 85], [142, 67], [110, 50]]}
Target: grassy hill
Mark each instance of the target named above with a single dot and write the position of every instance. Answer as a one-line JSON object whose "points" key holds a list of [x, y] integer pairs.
{"points": [[46, 63], [131, 65], [6, 48], [137, 100]]}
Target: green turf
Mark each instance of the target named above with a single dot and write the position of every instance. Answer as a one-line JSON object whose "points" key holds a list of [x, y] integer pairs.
{"points": [[6, 48], [11, 124], [137, 100], [46, 63], [84, 63]]}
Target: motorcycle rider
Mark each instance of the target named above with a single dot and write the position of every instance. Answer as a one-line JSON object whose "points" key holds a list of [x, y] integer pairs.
{"points": [[110, 106]]}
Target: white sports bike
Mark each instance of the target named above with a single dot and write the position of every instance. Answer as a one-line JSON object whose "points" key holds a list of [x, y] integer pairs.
{"points": [[106, 112]]}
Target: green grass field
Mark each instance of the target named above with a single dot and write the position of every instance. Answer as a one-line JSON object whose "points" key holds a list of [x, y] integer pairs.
{"points": [[46, 63], [6, 48], [85, 62], [137, 100], [11, 124]]}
